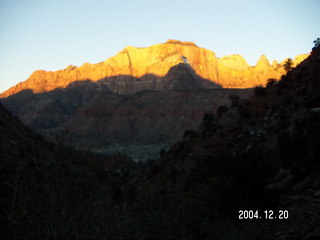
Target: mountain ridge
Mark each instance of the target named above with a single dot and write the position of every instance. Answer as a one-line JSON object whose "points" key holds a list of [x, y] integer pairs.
{"points": [[156, 60], [259, 156]]}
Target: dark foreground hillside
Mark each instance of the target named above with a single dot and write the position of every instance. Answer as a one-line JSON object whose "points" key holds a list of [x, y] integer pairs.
{"points": [[53, 192], [260, 154]]}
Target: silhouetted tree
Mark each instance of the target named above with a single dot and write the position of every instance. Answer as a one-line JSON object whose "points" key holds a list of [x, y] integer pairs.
{"points": [[316, 48], [209, 125], [316, 42], [271, 82], [288, 65]]}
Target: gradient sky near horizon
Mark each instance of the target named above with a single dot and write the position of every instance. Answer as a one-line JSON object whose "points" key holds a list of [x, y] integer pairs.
{"points": [[50, 35]]}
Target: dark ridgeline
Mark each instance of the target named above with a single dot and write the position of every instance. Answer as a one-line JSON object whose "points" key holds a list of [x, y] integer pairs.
{"points": [[259, 154]]}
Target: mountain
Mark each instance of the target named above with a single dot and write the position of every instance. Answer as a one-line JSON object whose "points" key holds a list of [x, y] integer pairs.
{"points": [[260, 156], [138, 102], [134, 69], [139, 125]]}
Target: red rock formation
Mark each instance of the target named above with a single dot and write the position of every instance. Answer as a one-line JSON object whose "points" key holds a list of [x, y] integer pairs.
{"points": [[151, 64]]}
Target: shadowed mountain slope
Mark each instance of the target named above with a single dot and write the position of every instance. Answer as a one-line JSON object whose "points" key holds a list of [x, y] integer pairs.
{"points": [[47, 190], [89, 116]]}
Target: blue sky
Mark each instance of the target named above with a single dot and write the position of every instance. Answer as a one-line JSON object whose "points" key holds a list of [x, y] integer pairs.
{"points": [[51, 34]]}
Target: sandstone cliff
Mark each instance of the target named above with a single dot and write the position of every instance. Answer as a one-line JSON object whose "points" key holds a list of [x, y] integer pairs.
{"points": [[134, 69]]}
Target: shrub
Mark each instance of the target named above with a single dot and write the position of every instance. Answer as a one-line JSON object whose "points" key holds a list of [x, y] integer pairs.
{"points": [[316, 48], [271, 82], [288, 65], [316, 42], [209, 125]]}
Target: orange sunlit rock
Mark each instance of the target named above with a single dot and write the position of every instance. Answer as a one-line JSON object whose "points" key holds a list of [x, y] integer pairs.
{"points": [[153, 63]]}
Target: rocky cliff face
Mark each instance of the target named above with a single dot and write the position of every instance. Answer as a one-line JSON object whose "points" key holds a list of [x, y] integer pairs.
{"points": [[134, 69]]}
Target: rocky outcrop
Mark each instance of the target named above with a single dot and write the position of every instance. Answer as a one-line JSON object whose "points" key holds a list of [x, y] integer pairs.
{"points": [[263, 63], [275, 64], [234, 61], [134, 69]]}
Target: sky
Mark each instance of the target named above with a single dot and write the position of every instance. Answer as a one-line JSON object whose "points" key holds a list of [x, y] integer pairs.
{"points": [[52, 34]]}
